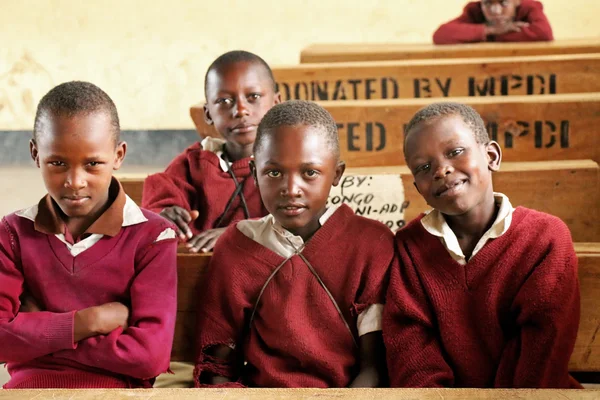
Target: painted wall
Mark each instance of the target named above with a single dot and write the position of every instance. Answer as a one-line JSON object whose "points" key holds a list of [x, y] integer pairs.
{"points": [[150, 56]]}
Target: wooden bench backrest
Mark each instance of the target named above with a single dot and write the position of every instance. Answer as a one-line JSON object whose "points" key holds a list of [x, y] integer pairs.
{"points": [[568, 189], [586, 355], [474, 77], [344, 52], [528, 128]]}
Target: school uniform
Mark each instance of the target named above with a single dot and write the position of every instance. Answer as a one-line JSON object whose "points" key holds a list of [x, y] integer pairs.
{"points": [[294, 311], [128, 255], [470, 26], [506, 317], [202, 179]]}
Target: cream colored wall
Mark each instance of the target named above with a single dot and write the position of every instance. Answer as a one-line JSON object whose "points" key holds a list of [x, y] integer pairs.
{"points": [[150, 56]]}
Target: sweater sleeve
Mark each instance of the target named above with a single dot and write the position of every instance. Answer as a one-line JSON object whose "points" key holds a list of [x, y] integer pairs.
{"points": [[464, 29], [170, 188], [414, 352], [222, 313], [547, 320], [143, 350], [25, 336], [539, 28]]}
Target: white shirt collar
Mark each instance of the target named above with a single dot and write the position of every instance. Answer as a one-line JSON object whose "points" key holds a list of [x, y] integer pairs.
{"points": [[215, 145], [435, 223]]}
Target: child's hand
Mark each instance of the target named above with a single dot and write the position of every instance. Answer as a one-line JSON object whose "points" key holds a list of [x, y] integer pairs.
{"points": [[205, 241], [180, 217], [28, 304], [500, 29], [100, 320]]}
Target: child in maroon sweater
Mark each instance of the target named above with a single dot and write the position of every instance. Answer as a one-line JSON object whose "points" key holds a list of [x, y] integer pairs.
{"points": [[486, 295], [293, 299], [88, 280], [209, 185], [497, 21]]}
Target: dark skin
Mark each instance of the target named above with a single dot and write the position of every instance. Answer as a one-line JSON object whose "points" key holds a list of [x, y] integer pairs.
{"points": [[500, 16], [77, 156], [294, 170], [454, 174], [237, 97]]}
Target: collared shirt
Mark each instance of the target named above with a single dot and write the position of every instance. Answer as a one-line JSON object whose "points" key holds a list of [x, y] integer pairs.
{"points": [[270, 234], [215, 145], [121, 213], [435, 223]]}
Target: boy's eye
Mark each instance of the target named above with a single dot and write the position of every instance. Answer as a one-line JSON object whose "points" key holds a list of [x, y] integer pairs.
{"points": [[57, 163], [455, 152], [274, 174], [422, 168], [254, 96], [311, 173], [94, 163], [224, 101]]}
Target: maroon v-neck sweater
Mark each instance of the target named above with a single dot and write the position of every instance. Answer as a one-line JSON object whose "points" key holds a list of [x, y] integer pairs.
{"points": [[470, 26], [508, 318], [130, 268], [195, 181], [298, 339]]}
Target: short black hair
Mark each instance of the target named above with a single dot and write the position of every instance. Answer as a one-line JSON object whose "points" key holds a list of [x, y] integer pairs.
{"points": [[435, 110], [299, 112], [74, 98], [238, 56]]}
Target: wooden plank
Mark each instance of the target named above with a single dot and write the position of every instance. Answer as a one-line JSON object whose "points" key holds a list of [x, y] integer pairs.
{"points": [[528, 128], [344, 52], [568, 189], [586, 354], [297, 394], [474, 77]]}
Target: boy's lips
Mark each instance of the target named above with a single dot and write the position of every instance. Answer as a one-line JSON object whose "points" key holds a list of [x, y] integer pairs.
{"points": [[76, 200], [450, 188], [291, 209], [244, 128]]}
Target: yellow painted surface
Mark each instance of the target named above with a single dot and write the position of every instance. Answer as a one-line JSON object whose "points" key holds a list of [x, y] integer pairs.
{"points": [[151, 56]]}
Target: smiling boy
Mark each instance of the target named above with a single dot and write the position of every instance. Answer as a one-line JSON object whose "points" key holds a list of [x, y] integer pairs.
{"points": [[486, 295]]}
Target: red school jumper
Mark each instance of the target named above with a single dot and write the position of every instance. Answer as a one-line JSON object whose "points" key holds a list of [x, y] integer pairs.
{"points": [[195, 181], [506, 319], [469, 27], [126, 265], [297, 338]]}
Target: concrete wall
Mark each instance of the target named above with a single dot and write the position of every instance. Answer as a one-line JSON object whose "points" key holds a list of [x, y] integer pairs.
{"points": [[150, 56]]}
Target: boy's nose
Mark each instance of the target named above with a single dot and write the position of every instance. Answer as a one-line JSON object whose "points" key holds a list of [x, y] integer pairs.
{"points": [[75, 180], [443, 170], [241, 109], [291, 188]]}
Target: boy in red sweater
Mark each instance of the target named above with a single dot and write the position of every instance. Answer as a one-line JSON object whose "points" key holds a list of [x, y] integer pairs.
{"points": [[486, 295], [497, 21], [88, 280], [209, 185], [289, 302]]}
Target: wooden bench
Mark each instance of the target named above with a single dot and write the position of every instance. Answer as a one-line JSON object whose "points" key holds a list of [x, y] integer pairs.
{"points": [[568, 189], [586, 355], [297, 394], [529, 128], [474, 77], [325, 53]]}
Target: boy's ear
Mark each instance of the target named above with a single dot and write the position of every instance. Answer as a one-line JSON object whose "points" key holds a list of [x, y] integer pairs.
{"points": [[35, 155], [494, 154], [339, 171], [277, 98], [253, 171], [120, 152], [207, 118]]}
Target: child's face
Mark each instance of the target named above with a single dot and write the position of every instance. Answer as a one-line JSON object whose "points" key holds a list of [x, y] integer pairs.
{"points": [[451, 170], [295, 169], [77, 156], [237, 97], [499, 11]]}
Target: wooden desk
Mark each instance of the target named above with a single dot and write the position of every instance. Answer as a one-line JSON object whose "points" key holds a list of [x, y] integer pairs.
{"points": [[343, 52]]}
